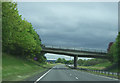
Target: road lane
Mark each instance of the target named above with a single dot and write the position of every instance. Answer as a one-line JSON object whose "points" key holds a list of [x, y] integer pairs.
{"points": [[62, 73]]}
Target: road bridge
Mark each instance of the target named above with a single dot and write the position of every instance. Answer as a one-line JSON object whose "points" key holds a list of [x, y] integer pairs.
{"points": [[89, 53]]}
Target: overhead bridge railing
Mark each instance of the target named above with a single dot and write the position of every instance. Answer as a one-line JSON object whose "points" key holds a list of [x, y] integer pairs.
{"points": [[77, 49]]}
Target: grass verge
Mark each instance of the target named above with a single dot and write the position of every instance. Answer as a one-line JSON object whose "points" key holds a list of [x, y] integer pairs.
{"points": [[102, 66], [16, 69], [98, 66]]}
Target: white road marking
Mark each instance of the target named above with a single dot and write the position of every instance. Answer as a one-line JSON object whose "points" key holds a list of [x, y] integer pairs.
{"points": [[42, 76], [76, 78]]}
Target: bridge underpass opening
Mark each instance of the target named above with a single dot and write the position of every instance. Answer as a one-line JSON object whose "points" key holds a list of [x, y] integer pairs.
{"points": [[76, 53], [54, 57]]}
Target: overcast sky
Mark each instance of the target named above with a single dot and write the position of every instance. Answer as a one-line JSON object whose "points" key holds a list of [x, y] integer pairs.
{"points": [[73, 24]]}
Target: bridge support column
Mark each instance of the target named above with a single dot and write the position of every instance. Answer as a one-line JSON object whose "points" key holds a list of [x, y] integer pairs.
{"points": [[75, 61]]}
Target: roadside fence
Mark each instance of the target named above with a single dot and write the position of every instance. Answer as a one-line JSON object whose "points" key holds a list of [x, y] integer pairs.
{"points": [[101, 72]]}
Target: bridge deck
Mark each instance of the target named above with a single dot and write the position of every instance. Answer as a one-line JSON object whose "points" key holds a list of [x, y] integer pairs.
{"points": [[79, 53]]}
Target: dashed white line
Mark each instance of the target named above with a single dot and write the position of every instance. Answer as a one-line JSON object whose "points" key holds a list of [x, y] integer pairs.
{"points": [[42, 76], [76, 78]]}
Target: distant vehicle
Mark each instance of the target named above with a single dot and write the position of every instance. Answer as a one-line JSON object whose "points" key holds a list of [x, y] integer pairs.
{"points": [[109, 46], [70, 65]]}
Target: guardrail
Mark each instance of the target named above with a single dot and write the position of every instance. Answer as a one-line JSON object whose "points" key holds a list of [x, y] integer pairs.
{"points": [[101, 72], [81, 49]]}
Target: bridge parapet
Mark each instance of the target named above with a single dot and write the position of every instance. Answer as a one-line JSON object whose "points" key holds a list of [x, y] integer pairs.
{"points": [[78, 49]]}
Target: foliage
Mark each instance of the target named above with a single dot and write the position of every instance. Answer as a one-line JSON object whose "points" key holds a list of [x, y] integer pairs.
{"points": [[18, 36], [114, 52], [90, 62], [59, 60], [69, 62], [62, 60]]}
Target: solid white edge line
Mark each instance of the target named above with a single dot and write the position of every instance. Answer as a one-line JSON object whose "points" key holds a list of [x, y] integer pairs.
{"points": [[42, 76]]}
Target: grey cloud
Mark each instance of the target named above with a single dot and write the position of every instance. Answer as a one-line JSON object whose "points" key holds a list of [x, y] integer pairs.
{"points": [[91, 25]]}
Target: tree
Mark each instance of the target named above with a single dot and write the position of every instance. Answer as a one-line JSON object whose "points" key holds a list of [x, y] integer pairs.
{"points": [[18, 36], [69, 62], [80, 62], [114, 52], [63, 60], [59, 60]]}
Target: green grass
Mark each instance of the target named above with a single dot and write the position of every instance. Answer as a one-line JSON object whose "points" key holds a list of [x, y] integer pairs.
{"points": [[115, 69], [98, 66], [106, 64], [101, 67], [16, 69]]}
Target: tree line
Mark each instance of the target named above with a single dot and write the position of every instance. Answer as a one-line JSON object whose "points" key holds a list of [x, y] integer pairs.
{"points": [[114, 51], [18, 35], [64, 61], [82, 62]]}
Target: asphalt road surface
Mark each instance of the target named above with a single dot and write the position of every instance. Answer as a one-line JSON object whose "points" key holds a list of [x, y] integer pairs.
{"points": [[62, 73]]}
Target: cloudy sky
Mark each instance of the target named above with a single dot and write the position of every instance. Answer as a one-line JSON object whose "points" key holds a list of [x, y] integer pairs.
{"points": [[73, 24]]}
